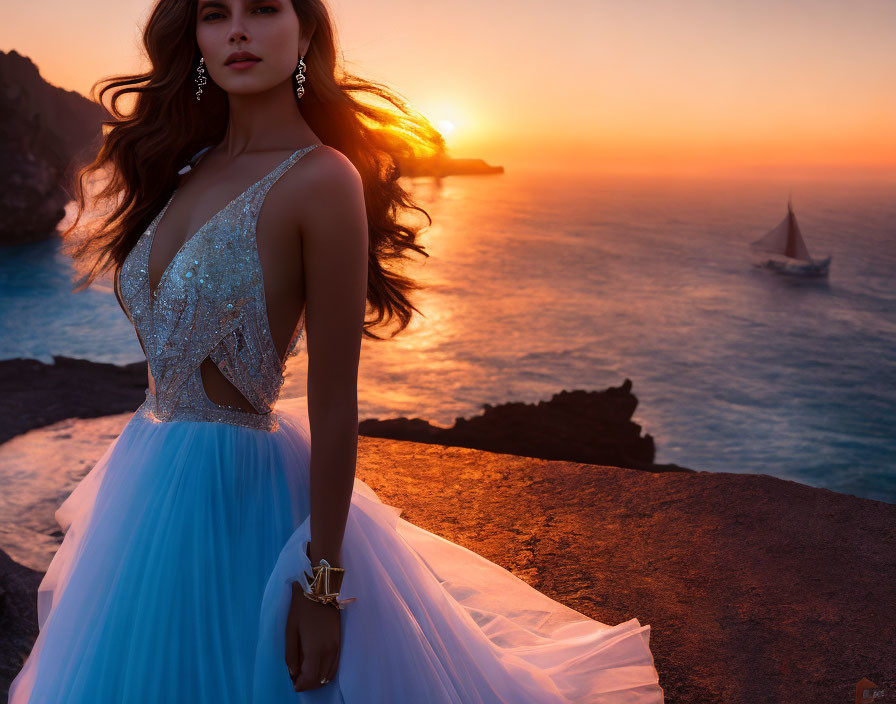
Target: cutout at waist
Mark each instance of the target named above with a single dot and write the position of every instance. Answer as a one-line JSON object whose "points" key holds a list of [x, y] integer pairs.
{"points": [[269, 422]]}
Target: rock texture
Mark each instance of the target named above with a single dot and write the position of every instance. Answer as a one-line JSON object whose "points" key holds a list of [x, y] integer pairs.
{"points": [[47, 134], [757, 589]]}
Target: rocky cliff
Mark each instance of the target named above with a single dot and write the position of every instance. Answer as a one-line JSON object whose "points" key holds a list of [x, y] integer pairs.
{"points": [[46, 134]]}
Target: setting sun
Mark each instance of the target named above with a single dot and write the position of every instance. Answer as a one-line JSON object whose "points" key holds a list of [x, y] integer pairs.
{"points": [[455, 122]]}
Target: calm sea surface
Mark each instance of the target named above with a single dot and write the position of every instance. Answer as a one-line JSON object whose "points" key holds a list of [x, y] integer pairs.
{"points": [[542, 281]]}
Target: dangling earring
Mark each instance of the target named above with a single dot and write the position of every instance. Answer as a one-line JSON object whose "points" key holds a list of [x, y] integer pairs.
{"points": [[200, 77], [300, 78]]}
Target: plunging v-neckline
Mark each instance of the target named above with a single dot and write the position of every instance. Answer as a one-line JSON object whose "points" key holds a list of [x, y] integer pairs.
{"points": [[209, 221]]}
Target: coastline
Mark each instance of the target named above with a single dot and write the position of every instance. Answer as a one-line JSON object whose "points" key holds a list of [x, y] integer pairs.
{"points": [[594, 427]]}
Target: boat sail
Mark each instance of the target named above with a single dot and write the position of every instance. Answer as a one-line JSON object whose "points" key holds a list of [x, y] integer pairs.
{"points": [[784, 250]]}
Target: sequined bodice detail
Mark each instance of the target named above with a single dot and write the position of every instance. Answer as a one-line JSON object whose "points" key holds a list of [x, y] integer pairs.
{"points": [[209, 302]]}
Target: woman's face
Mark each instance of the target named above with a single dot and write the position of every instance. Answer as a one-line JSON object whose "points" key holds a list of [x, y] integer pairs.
{"points": [[269, 29]]}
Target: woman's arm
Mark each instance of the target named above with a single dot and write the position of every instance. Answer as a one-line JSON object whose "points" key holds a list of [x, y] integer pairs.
{"points": [[335, 255]]}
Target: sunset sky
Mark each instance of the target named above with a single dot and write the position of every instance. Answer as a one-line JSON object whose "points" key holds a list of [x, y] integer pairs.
{"points": [[636, 86]]}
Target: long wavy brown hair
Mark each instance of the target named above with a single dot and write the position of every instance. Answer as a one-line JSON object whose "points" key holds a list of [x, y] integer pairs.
{"points": [[142, 151]]}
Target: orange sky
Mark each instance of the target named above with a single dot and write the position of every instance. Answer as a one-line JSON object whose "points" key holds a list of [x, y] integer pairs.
{"points": [[675, 86]]}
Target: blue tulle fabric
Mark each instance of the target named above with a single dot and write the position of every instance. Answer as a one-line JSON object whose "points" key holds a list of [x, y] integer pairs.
{"points": [[172, 584]]}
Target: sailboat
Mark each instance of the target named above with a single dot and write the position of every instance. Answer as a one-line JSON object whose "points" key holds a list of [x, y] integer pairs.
{"points": [[783, 250]]}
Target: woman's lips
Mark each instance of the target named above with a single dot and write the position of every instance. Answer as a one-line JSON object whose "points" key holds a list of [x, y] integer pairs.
{"points": [[243, 63]]}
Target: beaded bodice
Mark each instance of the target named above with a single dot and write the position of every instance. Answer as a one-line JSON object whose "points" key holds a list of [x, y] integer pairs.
{"points": [[209, 302]]}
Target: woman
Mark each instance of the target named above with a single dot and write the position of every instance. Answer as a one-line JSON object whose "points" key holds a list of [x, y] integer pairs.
{"points": [[188, 571]]}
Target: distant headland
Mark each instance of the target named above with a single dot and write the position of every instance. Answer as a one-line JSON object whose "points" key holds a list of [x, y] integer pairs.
{"points": [[439, 166]]}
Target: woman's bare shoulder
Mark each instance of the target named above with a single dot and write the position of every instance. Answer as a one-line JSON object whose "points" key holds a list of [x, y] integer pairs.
{"points": [[326, 190], [328, 172]]}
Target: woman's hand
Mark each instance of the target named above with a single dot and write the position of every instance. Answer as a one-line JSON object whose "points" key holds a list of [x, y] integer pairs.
{"points": [[313, 640]]}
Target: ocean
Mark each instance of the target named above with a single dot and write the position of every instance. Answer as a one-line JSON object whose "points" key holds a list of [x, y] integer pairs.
{"points": [[540, 281]]}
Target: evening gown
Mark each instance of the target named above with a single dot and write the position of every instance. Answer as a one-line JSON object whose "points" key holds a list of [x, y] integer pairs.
{"points": [[172, 581]]}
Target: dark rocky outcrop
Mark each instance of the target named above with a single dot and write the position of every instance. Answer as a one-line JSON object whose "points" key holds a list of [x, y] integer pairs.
{"points": [[18, 617], [37, 394], [46, 134], [578, 426]]}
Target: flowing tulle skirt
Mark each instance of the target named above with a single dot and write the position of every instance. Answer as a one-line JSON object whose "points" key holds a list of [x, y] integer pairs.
{"points": [[171, 585]]}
